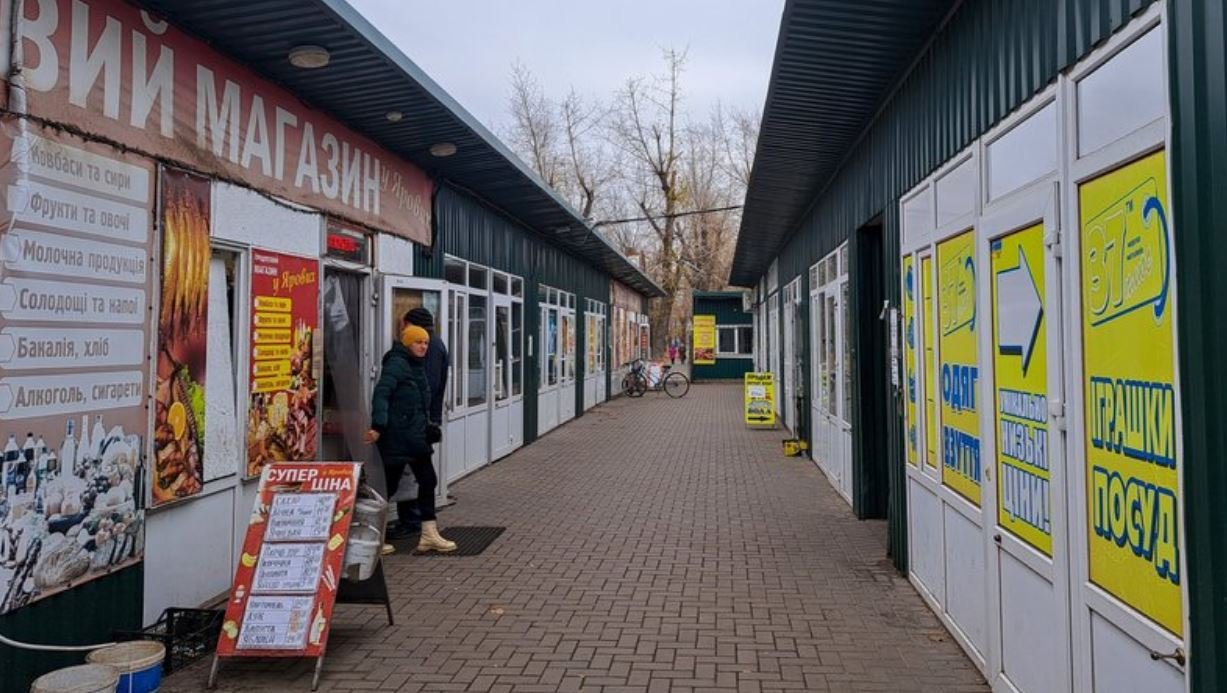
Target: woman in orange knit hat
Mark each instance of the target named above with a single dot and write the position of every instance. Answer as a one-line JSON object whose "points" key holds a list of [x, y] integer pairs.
{"points": [[400, 425]]}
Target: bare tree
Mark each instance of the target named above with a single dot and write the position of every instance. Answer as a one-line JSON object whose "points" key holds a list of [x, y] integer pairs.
{"points": [[535, 131], [646, 126]]}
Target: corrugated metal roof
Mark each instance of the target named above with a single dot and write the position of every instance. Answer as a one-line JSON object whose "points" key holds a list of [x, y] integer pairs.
{"points": [[369, 76], [835, 62]]}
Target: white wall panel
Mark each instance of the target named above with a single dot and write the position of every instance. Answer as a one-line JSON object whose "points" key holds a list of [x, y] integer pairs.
{"points": [[249, 218]]}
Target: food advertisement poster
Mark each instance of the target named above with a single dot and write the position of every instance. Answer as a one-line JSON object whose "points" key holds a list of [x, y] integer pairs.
{"points": [[179, 416], [704, 340], [758, 397], [281, 416], [960, 368], [1020, 372], [909, 360], [74, 329], [286, 581], [1130, 389]]}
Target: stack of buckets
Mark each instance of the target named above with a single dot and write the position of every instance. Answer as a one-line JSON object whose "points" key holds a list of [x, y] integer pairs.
{"points": [[129, 667]]}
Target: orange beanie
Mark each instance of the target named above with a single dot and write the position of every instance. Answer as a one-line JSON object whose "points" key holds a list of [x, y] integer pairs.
{"points": [[412, 334]]}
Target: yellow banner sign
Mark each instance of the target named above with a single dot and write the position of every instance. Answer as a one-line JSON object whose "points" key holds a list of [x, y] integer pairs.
{"points": [[759, 398], [1129, 388], [704, 340], [960, 367], [930, 357], [909, 360], [1020, 371]]}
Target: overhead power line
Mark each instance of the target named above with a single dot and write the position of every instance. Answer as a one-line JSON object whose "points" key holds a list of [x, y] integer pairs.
{"points": [[609, 222]]}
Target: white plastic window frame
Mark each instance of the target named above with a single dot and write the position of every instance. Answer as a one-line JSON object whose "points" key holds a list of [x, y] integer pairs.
{"points": [[1144, 140]]}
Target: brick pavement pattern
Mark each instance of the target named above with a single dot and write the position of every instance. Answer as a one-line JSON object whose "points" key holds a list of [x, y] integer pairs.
{"points": [[651, 545]]}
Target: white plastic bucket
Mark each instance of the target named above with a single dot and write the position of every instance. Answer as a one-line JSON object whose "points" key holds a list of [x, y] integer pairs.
{"points": [[139, 664], [86, 678], [362, 551]]}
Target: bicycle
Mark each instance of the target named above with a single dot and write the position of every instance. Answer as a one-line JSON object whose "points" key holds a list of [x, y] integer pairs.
{"points": [[637, 382]]}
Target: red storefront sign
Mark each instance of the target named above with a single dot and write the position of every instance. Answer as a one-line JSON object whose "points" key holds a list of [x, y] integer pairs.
{"points": [[286, 582], [281, 418], [114, 71]]}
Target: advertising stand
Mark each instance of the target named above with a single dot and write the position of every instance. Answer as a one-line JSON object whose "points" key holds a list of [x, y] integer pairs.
{"points": [[290, 568]]}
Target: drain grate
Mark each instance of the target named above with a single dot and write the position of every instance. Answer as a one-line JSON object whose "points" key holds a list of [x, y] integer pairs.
{"points": [[470, 541]]}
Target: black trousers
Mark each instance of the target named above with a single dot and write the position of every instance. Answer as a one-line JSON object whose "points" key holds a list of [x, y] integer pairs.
{"points": [[423, 473]]}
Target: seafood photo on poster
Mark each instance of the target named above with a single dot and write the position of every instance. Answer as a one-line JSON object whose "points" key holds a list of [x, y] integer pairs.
{"points": [[281, 421], [179, 421]]}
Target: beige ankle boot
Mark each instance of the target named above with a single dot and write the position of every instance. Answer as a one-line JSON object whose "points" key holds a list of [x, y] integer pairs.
{"points": [[431, 540]]}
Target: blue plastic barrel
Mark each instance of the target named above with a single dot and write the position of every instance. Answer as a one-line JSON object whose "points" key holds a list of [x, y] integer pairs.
{"points": [[139, 664]]}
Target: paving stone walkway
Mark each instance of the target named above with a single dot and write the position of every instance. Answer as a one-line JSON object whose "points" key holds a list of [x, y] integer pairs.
{"points": [[652, 545]]}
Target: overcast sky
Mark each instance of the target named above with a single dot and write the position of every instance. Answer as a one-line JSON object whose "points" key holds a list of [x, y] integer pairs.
{"points": [[469, 46]]}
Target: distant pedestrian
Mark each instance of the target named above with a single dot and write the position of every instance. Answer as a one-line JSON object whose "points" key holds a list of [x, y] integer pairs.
{"points": [[682, 353], [672, 352]]}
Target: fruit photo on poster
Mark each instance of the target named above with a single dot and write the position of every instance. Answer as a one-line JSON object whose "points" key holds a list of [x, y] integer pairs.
{"points": [[182, 321]]}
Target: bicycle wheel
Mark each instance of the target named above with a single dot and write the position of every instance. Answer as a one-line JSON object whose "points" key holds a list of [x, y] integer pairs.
{"points": [[641, 385], [633, 385], [676, 385]]}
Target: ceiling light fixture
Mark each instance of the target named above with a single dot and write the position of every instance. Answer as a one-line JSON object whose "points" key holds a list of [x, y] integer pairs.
{"points": [[442, 149], [309, 57], [394, 116]]}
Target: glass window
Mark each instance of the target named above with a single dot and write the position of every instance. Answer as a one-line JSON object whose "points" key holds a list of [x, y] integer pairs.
{"points": [[476, 343], [500, 283], [745, 340], [564, 355], [956, 193], [517, 349], [478, 277], [568, 343], [917, 215], [843, 260], [829, 372], [551, 347], [726, 341], [844, 308], [1122, 95], [517, 287], [455, 342], [454, 270], [502, 352], [1024, 154], [823, 403]]}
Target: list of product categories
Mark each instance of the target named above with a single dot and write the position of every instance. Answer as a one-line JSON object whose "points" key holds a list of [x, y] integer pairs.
{"points": [[272, 335], [75, 282]]}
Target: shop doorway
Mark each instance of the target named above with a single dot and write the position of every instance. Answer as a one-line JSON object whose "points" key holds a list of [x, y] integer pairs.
{"points": [[791, 322], [507, 431], [830, 410], [398, 296], [556, 391], [345, 390], [866, 353]]}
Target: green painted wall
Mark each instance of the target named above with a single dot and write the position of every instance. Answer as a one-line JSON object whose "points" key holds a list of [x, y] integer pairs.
{"points": [[80, 616], [467, 228]]}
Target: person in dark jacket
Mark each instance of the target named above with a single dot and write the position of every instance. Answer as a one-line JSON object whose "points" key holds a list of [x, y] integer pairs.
{"points": [[437, 365], [401, 426], [438, 361]]}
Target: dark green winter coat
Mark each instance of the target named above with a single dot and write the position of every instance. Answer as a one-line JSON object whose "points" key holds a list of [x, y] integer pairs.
{"points": [[399, 407]]}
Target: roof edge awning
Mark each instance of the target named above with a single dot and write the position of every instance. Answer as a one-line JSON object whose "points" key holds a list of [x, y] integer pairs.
{"points": [[366, 79], [816, 113]]}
